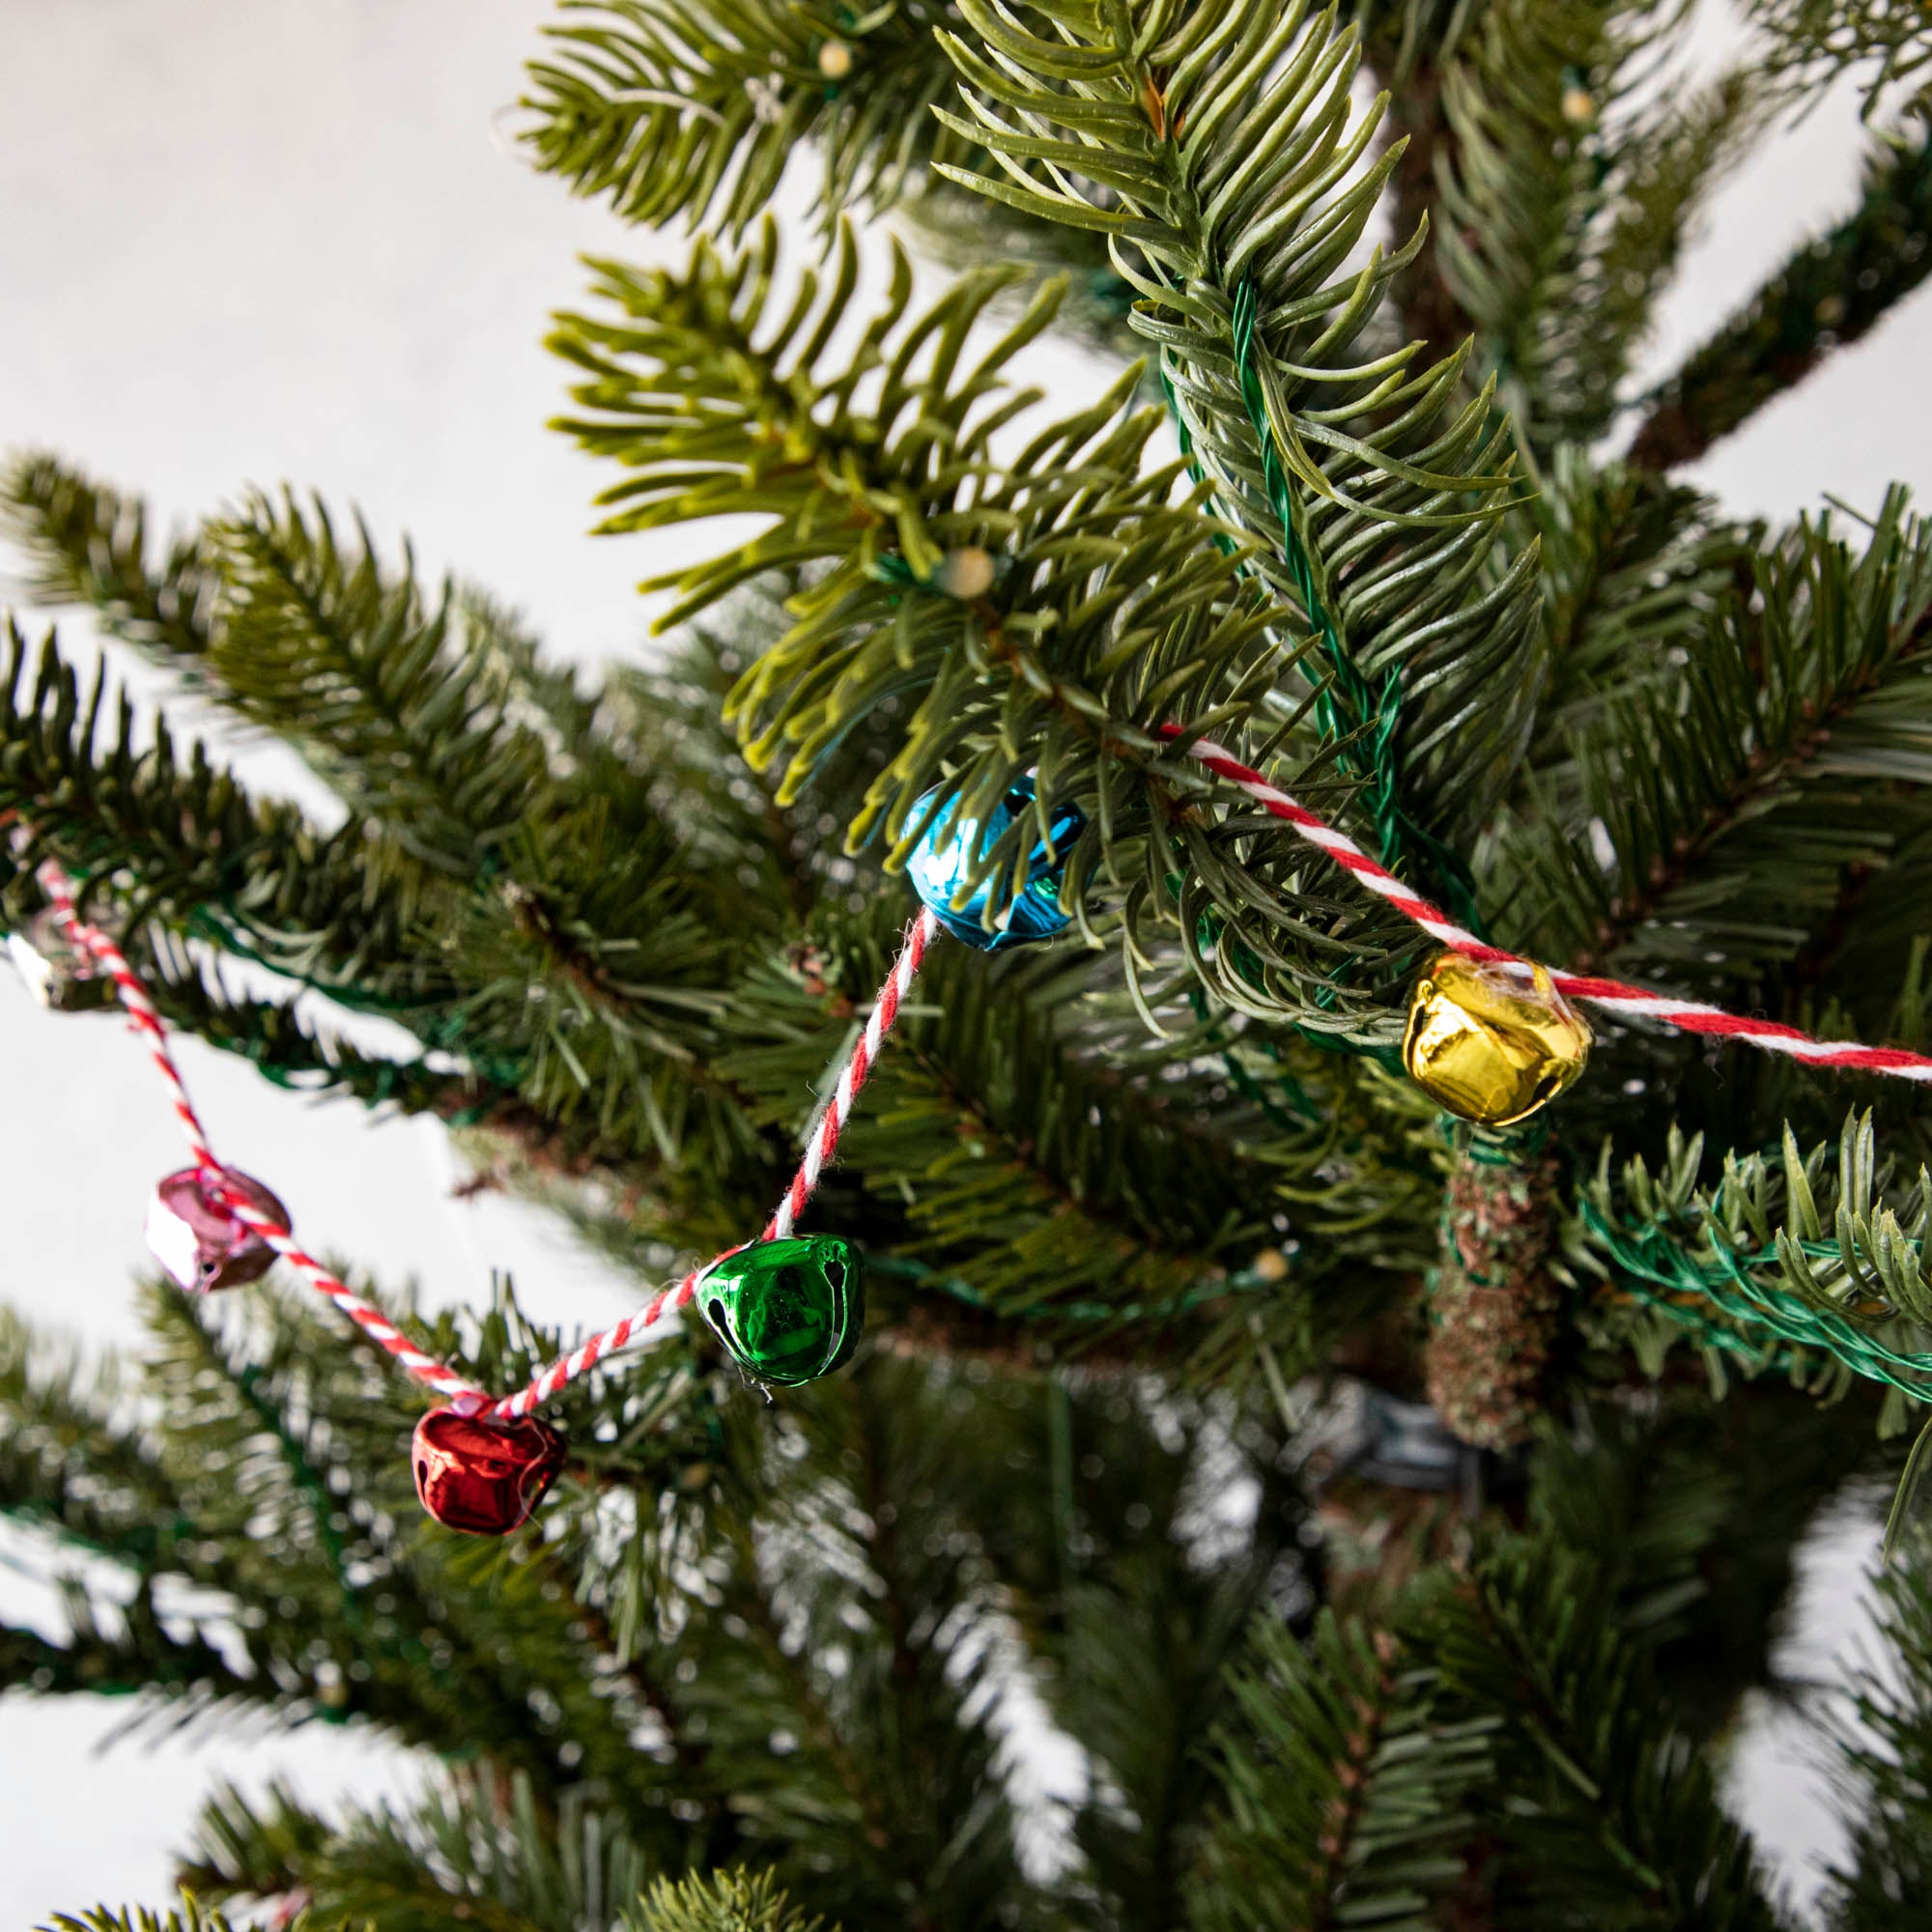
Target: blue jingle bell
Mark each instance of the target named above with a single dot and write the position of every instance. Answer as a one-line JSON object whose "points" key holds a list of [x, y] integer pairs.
{"points": [[943, 861]]}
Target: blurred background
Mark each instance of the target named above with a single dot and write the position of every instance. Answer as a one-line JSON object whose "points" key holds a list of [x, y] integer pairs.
{"points": [[244, 241]]}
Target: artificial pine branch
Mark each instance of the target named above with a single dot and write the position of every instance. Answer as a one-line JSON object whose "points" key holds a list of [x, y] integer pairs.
{"points": [[475, 672], [184, 835], [691, 109], [1095, 669], [472, 1849], [68, 1463], [190, 1917], [1810, 686], [273, 1034], [547, 1067], [188, 1676], [317, 641], [1222, 153], [423, 718], [1823, 1247], [1604, 1815], [1883, 1761], [1407, 49], [1604, 718], [1695, 1511], [1634, 567], [1829, 294], [334, 1610], [719, 1902], [1810, 43], [1565, 199], [1346, 1786], [903, 1728], [85, 544]]}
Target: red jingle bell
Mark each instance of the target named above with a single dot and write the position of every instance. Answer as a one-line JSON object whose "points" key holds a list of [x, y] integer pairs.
{"points": [[483, 1477], [201, 1242]]}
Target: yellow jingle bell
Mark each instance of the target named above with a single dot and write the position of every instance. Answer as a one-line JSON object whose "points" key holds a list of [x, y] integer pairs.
{"points": [[1488, 1045]]}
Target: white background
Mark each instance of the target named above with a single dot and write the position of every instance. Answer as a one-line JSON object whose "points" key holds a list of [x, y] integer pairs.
{"points": [[248, 240]]}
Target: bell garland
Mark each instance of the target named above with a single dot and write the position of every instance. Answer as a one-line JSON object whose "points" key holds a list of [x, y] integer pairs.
{"points": [[1490, 1036], [790, 1309]]}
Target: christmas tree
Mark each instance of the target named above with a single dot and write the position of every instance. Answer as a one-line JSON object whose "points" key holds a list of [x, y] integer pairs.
{"points": [[1339, 1287]]}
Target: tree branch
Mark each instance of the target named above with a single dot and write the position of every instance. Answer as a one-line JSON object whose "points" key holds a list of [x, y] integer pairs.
{"points": [[1827, 295]]}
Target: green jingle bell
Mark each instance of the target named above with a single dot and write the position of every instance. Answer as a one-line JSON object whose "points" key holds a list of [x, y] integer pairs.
{"points": [[790, 1311]]}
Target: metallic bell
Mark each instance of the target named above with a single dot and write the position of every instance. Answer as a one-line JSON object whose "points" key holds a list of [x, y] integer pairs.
{"points": [[1488, 1045], [483, 1477], [790, 1311], [201, 1243], [942, 862]]}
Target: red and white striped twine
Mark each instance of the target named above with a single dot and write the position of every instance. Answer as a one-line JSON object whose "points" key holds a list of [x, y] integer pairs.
{"points": [[822, 1142], [144, 1020], [1688, 1015], [820, 1145], [464, 1396]]}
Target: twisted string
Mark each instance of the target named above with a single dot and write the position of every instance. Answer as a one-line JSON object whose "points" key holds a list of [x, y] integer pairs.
{"points": [[821, 1146], [143, 1019], [1628, 1002]]}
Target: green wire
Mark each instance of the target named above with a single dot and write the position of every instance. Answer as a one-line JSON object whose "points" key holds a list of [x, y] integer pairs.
{"points": [[1395, 829], [1652, 1255], [443, 1031], [439, 1031], [1397, 832], [1714, 1334]]}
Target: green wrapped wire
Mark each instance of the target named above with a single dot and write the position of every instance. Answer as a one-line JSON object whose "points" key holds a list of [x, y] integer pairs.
{"points": [[1347, 703], [1653, 1255]]}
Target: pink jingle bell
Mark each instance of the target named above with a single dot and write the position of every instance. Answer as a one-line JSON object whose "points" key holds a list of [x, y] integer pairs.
{"points": [[201, 1242], [483, 1477]]}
